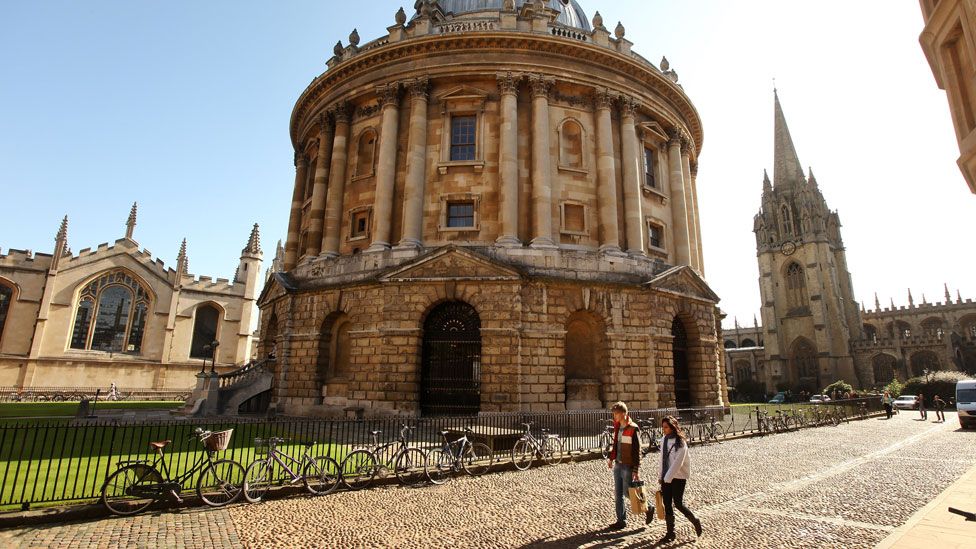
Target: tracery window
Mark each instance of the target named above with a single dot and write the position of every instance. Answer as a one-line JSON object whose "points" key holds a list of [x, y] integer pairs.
{"points": [[804, 359], [796, 288], [787, 220], [111, 314]]}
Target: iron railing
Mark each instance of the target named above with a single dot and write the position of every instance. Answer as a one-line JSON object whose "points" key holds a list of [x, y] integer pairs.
{"points": [[47, 461], [66, 393]]}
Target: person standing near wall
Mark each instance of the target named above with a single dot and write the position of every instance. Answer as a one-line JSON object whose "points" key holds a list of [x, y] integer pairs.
{"points": [[675, 471], [887, 402]]}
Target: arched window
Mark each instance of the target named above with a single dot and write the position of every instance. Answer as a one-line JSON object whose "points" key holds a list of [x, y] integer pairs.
{"points": [[204, 331], [804, 363], [933, 327], [796, 288], [884, 369], [310, 176], [571, 144], [870, 332], [786, 221], [269, 338], [923, 361], [729, 344], [748, 343], [333, 359], [365, 153], [6, 296], [899, 329], [111, 314]]}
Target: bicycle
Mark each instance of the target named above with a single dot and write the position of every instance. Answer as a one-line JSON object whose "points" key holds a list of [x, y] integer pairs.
{"points": [[549, 447], [711, 431], [764, 424], [137, 484], [648, 435], [824, 417], [361, 466], [606, 438], [475, 458], [320, 474]]}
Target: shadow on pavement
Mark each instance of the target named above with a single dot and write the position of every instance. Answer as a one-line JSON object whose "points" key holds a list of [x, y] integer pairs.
{"points": [[596, 538]]}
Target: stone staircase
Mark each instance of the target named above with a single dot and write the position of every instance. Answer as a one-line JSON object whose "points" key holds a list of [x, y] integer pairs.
{"points": [[222, 394]]}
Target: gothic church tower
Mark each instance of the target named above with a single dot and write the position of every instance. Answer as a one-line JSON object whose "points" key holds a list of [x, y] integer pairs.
{"points": [[809, 314]]}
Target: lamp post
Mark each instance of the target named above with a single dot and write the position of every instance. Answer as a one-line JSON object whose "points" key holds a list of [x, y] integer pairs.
{"points": [[206, 351], [213, 359]]}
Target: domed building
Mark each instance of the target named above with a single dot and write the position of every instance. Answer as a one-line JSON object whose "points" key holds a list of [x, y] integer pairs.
{"points": [[494, 209]]}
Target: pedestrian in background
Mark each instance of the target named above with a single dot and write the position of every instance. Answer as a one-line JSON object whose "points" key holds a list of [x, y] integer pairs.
{"points": [[887, 401], [939, 408], [624, 460], [675, 470], [921, 406]]}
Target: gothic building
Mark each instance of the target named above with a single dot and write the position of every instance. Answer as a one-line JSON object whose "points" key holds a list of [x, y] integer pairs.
{"points": [[494, 209], [813, 332], [117, 314]]}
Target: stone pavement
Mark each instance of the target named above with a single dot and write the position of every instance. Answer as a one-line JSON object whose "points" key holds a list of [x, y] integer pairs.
{"points": [[849, 486]]}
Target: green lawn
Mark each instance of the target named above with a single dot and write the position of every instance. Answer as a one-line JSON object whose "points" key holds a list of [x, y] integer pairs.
{"points": [[68, 409]]}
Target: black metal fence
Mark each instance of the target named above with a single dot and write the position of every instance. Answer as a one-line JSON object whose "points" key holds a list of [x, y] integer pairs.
{"points": [[44, 461], [69, 394]]}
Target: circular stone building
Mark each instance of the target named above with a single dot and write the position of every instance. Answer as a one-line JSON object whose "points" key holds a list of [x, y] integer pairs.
{"points": [[494, 210]]}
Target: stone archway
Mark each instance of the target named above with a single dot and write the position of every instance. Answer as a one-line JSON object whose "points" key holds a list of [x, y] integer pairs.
{"points": [[883, 366], [586, 362], [925, 360], [450, 378], [681, 363]]}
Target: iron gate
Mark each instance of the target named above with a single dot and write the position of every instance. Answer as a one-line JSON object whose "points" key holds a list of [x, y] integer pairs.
{"points": [[450, 381], [682, 378]]}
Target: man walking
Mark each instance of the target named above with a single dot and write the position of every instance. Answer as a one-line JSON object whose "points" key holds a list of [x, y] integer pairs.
{"points": [[939, 408], [921, 406], [624, 460]]}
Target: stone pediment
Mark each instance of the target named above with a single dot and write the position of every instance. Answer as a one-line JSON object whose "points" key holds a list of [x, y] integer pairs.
{"points": [[683, 281], [275, 287], [451, 263]]}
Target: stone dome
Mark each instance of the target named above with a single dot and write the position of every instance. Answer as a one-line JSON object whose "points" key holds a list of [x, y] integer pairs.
{"points": [[570, 12]]}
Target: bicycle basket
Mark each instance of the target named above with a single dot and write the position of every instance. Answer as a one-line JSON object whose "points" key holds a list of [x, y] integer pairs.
{"points": [[218, 441]]}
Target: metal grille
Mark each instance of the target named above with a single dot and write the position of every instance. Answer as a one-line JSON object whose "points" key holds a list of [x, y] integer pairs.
{"points": [[451, 372]]}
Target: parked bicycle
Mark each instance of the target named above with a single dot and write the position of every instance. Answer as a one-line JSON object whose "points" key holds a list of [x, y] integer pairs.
{"points": [[606, 438], [710, 431], [549, 447], [319, 474], [474, 458], [361, 466], [648, 435], [825, 417], [136, 484]]}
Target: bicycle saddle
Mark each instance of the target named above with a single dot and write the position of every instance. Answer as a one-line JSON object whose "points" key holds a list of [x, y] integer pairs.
{"points": [[445, 433], [308, 444], [374, 433], [159, 445]]}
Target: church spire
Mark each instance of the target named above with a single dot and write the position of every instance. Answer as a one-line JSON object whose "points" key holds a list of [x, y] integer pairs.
{"points": [[948, 297], [253, 246], [130, 224], [877, 302], [767, 185], [182, 263], [786, 166], [60, 244]]}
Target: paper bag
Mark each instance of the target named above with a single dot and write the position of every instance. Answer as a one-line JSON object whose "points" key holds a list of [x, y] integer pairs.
{"points": [[638, 499], [659, 504]]}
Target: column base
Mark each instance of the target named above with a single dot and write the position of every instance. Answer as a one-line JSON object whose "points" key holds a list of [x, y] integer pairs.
{"points": [[409, 244], [508, 242], [377, 247], [329, 255], [636, 253], [544, 243], [612, 249]]}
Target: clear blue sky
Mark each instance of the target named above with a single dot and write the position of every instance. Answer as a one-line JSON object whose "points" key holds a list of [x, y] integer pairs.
{"points": [[184, 107]]}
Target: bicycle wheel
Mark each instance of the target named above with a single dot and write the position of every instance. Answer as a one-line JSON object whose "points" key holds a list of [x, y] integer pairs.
{"points": [[358, 469], [646, 440], [321, 475], [438, 465], [257, 480], [522, 454], [552, 450], [788, 424], [835, 419], [477, 460], [386, 457], [221, 483], [129, 490], [606, 445], [410, 467]]}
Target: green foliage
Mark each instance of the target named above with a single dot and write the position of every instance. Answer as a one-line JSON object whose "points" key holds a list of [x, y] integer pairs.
{"points": [[895, 388], [938, 383], [840, 386], [750, 390]]}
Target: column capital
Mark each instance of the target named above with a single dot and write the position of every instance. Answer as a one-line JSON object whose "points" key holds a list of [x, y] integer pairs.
{"points": [[541, 85], [389, 94], [674, 137], [325, 123], [340, 112], [300, 160], [687, 147], [508, 83], [419, 88], [602, 98], [694, 168], [628, 106]]}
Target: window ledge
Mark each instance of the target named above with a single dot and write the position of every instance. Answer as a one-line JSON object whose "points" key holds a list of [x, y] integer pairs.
{"points": [[364, 176], [573, 169], [660, 252], [574, 233], [357, 238], [651, 191], [444, 229], [444, 166]]}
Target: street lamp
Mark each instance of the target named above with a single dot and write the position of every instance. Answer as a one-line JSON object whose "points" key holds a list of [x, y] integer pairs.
{"points": [[206, 351], [213, 359]]}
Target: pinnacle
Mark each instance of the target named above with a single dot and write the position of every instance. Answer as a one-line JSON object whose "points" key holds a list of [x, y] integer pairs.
{"points": [[182, 263], [130, 224], [253, 242], [787, 169]]}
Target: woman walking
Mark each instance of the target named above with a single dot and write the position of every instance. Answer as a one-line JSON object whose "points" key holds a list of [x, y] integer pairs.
{"points": [[675, 470], [887, 401]]}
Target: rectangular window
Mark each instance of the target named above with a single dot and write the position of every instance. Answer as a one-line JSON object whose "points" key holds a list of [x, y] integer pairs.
{"points": [[360, 224], [960, 72], [573, 218], [649, 168], [655, 235], [463, 137], [460, 214]]}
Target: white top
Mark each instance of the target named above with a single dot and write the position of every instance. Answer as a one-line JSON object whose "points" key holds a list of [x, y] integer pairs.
{"points": [[679, 462]]}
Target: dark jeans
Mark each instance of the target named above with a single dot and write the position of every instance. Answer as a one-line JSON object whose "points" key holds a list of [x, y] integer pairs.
{"points": [[674, 493], [939, 414], [888, 410]]}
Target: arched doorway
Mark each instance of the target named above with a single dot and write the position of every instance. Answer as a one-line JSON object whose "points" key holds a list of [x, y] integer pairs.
{"points": [[450, 378], [883, 366], [585, 354], [803, 363], [679, 356], [925, 361]]}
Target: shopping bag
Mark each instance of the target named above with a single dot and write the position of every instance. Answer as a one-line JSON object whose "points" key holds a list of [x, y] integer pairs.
{"points": [[638, 498], [659, 504]]}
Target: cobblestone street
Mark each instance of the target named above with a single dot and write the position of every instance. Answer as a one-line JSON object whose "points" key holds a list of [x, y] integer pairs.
{"points": [[848, 486]]}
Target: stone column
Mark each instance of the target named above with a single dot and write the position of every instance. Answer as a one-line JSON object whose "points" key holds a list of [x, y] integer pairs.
{"points": [[389, 95], [508, 161], [317, 211], [686, 146], [541, 162], [679, 210], [630, 159], [413, 193], [694, 201], [337, 181], [606, 174], [295, 218]]}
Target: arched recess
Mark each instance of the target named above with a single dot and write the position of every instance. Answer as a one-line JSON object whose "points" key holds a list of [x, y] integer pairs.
{"points": [[743, 370], [365, 153], [450, 373], [748, 343], [333, 357], [206, 328], [967, 326], [111, 311], [681, 360], [796, 288], [786, 220], [586, 361], [870, 332], [803, 365], [729, 344], [269, 339], [899, 329], [571, 139], [8, 293], [933, 326], [925, 360], [883, 366]]}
